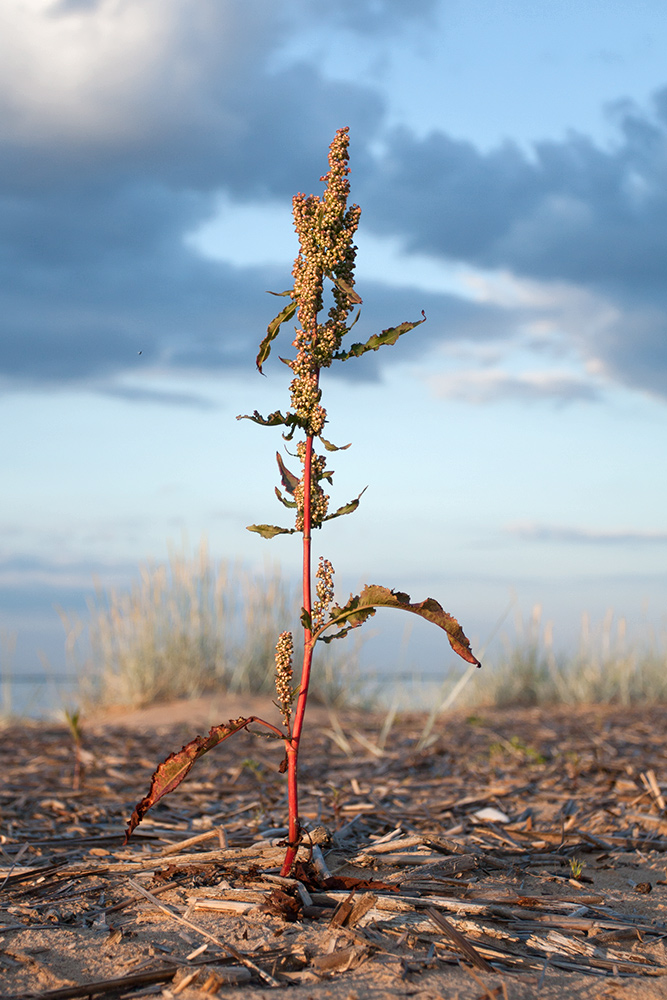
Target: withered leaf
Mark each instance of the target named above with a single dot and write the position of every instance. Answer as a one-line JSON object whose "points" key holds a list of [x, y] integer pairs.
{"points": [[280, 904], [361, 606], [171, 772]]}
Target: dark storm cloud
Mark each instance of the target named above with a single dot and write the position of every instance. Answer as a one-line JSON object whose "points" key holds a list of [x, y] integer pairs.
{"points": [[93, 263], [570, 212], [101, 182]]}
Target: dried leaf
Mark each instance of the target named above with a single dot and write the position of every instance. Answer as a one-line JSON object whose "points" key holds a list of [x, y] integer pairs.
{"points": [[359, 608], [171, 772], [289, 480], [279, 904]]}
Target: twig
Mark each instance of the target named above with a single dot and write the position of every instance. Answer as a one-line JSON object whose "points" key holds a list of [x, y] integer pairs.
{"points": [[191, 841], [461, 943], [239, 956]]}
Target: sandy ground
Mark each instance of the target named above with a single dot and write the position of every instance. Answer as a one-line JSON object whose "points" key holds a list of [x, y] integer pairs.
{"points": [[513, 854]]}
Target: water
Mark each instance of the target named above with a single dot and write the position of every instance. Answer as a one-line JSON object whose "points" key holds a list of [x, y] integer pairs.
{"points": [[37, 695]]}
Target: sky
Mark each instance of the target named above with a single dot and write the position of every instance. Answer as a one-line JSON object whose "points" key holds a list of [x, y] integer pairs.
{"points": [[510, 160]]}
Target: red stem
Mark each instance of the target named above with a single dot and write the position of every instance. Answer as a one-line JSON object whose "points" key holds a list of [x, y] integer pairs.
{"points": [[292, 746]]}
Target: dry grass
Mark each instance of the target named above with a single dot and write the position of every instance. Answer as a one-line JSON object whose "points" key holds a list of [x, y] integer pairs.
{"points": [[527, 671], [191, 627]]}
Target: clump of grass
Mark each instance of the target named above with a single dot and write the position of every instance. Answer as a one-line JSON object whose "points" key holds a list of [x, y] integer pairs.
{"points": [[7, 648], [605, 669], [185, 628], [576, 868], [528, 671]]}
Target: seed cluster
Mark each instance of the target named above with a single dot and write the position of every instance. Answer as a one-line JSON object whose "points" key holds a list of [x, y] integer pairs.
{"points": [[284, 651], [319, 500], [325, 592], [325, 227]]}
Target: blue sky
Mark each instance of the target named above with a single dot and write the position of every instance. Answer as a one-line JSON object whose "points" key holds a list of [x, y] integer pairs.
{"points": [[510, 160]]}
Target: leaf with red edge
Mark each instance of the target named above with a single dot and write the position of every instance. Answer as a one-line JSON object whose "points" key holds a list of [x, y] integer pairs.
{"points": [[273, 419], [171, 772], [356, 611], [348, 508], [289, 480]]}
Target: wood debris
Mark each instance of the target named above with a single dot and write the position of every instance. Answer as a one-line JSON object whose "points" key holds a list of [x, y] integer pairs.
{"points": [[521, 846]]}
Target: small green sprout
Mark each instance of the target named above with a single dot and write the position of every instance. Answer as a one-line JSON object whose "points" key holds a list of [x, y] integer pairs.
{"points": [[576, 868], [73, 720]]}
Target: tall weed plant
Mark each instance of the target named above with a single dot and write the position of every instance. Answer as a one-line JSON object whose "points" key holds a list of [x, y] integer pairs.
{"points": [[326, 226]]}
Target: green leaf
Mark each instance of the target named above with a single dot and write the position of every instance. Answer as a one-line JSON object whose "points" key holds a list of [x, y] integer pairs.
{"points": [[289, 480], [374, 596], [354, 321], [284, 501], [279, 294], [352, 614], [333, 447], [306, 620], [348, 289], [171, 772], [349, 508], [340, 635], [270, 530], [273, 419], [389, 336], [273, 328]]}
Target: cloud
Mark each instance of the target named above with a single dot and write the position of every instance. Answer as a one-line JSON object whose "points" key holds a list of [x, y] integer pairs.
{"points": [[569, 214], [144, 90], [480, 386], [569, 211], [23, 573], [531, 531], [124, 121], [138, 394], [364, 16]]}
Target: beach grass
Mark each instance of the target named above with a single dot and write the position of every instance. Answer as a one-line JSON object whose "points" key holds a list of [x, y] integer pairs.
{"points": [[525, 669], [194, 625], [189, 627]]}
